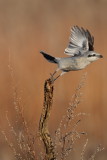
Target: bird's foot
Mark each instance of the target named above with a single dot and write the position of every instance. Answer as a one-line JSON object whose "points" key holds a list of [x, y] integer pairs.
{"points": [[52, 77]]}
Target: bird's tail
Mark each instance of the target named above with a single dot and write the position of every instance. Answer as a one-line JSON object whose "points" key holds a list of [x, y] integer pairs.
{"points": [[49, 58]]}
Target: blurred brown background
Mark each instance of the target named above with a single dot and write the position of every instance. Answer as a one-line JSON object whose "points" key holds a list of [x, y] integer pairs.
{"points": [[26, 27]]}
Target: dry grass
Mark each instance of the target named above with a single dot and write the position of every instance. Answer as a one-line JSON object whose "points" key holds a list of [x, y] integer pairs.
{"points": [[67, 134], [28, 146], [23, 142]]}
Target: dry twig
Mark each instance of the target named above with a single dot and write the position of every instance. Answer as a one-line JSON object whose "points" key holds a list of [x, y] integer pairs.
{"points": [[43, 124]]}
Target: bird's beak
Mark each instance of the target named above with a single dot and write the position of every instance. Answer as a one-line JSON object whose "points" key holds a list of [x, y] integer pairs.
{"points": [[100, 56]]}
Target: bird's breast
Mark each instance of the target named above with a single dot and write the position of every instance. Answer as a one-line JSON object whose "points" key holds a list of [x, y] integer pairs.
{"points": [[72, 64]]}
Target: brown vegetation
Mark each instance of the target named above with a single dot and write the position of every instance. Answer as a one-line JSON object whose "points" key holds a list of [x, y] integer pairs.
{"points": [[26, 27], [62, 145]]}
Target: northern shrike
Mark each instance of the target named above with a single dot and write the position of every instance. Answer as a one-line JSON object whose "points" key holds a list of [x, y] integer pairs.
{"points": [[80, 50]]}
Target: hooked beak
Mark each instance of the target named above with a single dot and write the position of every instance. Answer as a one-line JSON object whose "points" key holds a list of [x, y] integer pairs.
{"points": [[100, 56]]}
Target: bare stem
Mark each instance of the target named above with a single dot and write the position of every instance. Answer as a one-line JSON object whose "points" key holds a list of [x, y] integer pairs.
{"points": [[43, 123]]}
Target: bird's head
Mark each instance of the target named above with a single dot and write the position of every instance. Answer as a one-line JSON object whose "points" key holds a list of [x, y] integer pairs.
{"points": [[93, 56]]}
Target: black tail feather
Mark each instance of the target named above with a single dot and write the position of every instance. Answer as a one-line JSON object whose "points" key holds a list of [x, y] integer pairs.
{"points": [[48, 57]]}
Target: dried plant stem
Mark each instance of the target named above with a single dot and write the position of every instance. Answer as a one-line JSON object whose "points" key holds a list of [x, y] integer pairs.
{"points": [[43, 124]]}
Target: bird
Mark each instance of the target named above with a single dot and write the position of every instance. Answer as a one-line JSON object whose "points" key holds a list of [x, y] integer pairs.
{"points": [[80, 50]]}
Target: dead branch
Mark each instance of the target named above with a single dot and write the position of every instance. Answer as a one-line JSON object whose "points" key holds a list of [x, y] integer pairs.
{"points": [[43, 123]]}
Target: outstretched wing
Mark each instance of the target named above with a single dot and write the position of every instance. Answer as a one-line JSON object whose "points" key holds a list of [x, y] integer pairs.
{"points": [[80, 41]]}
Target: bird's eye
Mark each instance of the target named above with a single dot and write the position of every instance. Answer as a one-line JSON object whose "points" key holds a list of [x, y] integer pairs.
{"points": [[93, 54]]}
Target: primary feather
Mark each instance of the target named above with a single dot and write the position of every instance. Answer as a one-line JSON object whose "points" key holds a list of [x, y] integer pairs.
{"points": [[80, 42]]}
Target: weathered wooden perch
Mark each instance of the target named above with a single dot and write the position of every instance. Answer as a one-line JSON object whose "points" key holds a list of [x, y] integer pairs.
{"points": [[43, 123]]}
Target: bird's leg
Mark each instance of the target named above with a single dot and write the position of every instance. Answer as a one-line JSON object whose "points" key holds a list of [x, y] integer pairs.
{"points": [[54, 73], [59, 75]]}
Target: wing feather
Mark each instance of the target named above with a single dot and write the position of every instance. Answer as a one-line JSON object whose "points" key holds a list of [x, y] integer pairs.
{"points": [[80, 41]]}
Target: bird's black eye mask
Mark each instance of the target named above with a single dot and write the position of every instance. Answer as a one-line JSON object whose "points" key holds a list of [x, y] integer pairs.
{"points": [[93, 55]]}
